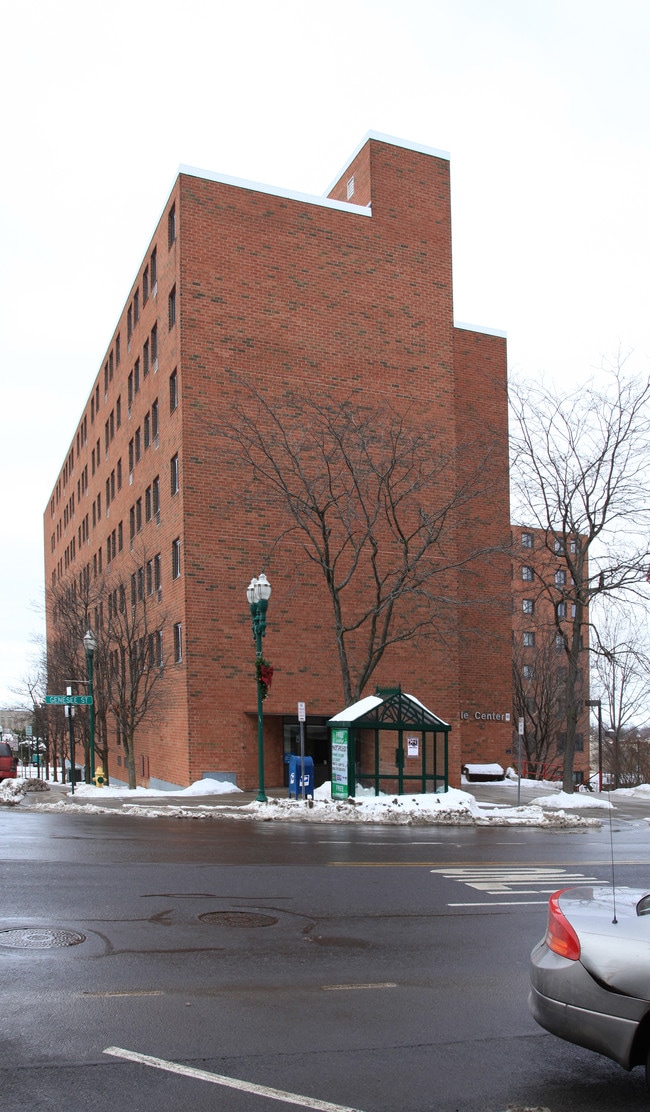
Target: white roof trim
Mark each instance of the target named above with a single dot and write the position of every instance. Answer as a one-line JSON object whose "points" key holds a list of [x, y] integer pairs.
{"points": [[480, 328], [275, 191]]}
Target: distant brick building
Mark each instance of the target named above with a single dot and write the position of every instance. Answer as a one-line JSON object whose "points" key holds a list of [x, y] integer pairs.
{"points": [[542, 613], [352, 292]]}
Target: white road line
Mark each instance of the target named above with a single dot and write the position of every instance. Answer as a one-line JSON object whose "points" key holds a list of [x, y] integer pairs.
{"points": [[347, 988], [227, 1082], [503, 903]]}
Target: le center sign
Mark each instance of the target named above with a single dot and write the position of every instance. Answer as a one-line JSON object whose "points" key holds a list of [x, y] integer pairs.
{"points": [[69, 700]]}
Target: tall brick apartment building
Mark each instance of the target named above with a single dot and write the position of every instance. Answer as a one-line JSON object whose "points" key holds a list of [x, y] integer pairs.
{"points": [[329, 296], [542, 590]]}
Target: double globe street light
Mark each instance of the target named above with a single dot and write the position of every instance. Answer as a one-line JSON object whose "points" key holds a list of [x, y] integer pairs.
{"points": [[258, 594]]}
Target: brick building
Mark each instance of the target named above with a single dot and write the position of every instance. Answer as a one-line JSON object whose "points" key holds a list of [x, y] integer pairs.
{"points": [[346, 294], [542, 616]]}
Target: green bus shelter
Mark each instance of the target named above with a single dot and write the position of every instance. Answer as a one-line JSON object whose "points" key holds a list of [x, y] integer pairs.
{"points": [[390, 742]]}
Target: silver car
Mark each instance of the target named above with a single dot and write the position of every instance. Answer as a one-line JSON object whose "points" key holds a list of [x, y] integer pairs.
{"points": [[590, 974]]}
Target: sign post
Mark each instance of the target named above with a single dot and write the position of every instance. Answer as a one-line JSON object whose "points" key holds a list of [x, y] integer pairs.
{"points": [[301, 720], [520, 734]]}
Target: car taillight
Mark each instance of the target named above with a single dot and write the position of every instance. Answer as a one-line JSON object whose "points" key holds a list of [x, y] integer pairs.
{"points": [[560, 935]]}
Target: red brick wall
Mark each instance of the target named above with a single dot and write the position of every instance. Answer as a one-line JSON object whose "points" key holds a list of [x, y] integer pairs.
{"points": [[291, 295]]}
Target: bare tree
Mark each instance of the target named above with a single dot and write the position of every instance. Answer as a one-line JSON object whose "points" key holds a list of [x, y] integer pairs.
{"points": [[621, 674], [538, 697], [132, 659], [376, 504], [580, 469]]}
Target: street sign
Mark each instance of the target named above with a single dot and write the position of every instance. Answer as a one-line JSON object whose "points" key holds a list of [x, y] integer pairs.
{"points": [[69, 700], [301, 712]]}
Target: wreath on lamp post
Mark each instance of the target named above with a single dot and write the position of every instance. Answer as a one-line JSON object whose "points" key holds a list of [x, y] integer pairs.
{"points": [[264, 673]]}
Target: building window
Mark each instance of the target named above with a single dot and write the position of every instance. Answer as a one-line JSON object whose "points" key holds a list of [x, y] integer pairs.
{"points": [[154, 422], [138, 515], [155, 499], [118, 410], [147, 431], [174, 474], [529, 639], [157, 578], [560, 578], [172, 308], [527, 573], [558, 547], [561, 609], [173, 391], [147, 504], [145, 359], [171, 225], [526, 540], [129, 323], [145, 285], [176, 558], [559, 643], [178, 642], [136, 307], [154, 348], [528, 606], [154, 270], [529, 671], [138, 445]]}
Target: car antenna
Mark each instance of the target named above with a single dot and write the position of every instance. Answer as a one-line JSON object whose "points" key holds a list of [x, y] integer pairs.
{"points": [[611, 844]]}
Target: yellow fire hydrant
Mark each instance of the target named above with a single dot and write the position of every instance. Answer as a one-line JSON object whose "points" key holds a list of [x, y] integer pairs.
{"points": [[99, 778]]}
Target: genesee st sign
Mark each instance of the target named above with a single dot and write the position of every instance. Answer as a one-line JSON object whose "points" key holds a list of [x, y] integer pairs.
{"points": [[69, 700]]}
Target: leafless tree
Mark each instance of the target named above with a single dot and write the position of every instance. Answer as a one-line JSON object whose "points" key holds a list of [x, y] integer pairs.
{"points": [[132, 661], [580, 474], [538, 697], [375, 503], [620, 680]]}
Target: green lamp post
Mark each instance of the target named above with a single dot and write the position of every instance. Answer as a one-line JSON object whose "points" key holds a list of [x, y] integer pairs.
{"points": [[90, 645], [258, 594]]}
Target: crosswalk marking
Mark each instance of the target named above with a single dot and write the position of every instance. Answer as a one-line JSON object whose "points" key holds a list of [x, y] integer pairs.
{"points": [[519, 880]]}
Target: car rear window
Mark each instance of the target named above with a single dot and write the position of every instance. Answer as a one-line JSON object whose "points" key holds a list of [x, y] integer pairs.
{"points": [[5, 750]]}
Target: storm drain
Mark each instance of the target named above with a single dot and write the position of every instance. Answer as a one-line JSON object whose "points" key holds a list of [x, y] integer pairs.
{"points": [[237, 919], [39, 938]]}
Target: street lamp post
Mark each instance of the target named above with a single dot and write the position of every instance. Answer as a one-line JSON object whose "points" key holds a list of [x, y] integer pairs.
{"points": [[258, 594], [597, 703], [90, 645]]}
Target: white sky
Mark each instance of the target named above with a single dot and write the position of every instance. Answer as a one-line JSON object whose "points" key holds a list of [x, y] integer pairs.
{"points": [[542, 104]]}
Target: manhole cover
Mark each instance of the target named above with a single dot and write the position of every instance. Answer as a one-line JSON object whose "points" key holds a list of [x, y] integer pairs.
{"points": [[237, 919], [39, 938]]}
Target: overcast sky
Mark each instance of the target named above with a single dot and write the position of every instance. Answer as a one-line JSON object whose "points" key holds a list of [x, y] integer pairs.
{"points": [[542, 105]]}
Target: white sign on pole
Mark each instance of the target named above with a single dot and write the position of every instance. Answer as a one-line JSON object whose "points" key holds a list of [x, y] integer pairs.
{"points": [[301, 712]]}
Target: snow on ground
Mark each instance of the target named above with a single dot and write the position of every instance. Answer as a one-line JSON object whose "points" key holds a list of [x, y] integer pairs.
{"points": [[454, 807]]}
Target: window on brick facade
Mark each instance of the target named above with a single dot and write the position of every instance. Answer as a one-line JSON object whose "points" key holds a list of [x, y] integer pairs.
{"points": [[173, 391], [155, 499], [526, 540], [136, 307], [174, 474], [529, 671], [527, 573], [145, 359], [560, 578], [171, 225], [147, 431], [529, 639], [528, 606], [172, 308], [145, 285], [154, 348], [178, 642], [154, 422], [176, 558], [561, 609]]}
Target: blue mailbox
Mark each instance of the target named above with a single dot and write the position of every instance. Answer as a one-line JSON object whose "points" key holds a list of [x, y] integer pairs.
{"points": [[295, 779]]}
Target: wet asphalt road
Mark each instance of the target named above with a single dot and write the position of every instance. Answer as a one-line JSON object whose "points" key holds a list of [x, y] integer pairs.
{"points": [[371, 968]]}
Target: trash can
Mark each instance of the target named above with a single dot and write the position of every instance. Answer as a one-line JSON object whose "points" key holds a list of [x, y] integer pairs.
{"points": [[295, 781]]}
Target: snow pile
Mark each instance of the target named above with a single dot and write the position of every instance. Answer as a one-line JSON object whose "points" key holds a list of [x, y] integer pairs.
{"points": [[121, 791], [574, 802], [12, 792]]}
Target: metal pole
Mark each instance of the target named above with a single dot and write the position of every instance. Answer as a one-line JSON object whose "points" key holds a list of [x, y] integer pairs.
{"points": [[89, 658], [71, 731], [600, 747], [261, 796]]}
